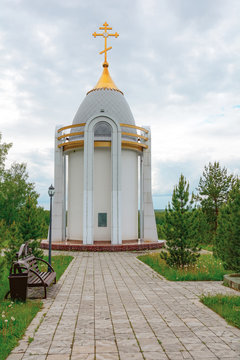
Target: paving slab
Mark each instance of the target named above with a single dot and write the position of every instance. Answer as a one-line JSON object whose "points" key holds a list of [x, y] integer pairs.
{"points": [[111, 306]]}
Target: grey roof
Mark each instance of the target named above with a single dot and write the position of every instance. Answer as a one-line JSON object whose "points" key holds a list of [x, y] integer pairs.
{"points": [[112, 102]]}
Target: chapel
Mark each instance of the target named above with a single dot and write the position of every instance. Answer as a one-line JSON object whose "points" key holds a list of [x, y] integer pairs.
{"points": [[102, 169]]}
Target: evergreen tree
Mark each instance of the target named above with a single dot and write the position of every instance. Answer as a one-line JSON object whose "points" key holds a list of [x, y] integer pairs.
{"points": [[203, 227], [213, 190], [31, 225], [180, 228], [227, 245], [14, 241]]}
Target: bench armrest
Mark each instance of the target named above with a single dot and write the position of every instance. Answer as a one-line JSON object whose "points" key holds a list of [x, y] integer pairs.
{"points": [[18, 266], [39, 259]]}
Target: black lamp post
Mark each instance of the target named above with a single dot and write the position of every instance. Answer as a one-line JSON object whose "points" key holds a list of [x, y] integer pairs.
{"points": [[51, 191]]}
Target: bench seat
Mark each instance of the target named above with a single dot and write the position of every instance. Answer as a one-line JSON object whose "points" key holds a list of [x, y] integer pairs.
{"points": [[36, 278]]}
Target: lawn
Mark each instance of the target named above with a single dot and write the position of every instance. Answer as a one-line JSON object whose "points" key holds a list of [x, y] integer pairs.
{"points": [[206, 268], [16, 316], [226, 306]]}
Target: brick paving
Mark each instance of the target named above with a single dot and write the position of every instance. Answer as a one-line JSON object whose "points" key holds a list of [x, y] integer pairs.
{"points": [[110, 306]]}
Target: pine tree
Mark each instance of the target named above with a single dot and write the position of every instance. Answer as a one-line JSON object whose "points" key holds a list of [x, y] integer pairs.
{"points": [[227, 245], [203, 228], [31, 225], [14, 241], [180, 228], [213, 190]]}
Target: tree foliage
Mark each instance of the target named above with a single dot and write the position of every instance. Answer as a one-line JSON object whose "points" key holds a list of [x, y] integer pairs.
{"points": [[203, 227], [3, 229], [160, 219], [15, 188], [228, 231], [4, 148], [213, 190], [31, 225], [180, 228], [14, 241], [21, 219]]}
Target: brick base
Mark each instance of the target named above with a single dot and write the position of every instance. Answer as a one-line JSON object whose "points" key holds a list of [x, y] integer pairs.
{"points": [[96, 247]]}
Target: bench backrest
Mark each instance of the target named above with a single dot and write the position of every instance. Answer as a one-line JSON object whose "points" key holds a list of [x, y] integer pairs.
{"points": [[31, 263], [24, 251]]}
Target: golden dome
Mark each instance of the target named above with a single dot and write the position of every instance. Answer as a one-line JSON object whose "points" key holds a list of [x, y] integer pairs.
{"points": [[105, 81]]}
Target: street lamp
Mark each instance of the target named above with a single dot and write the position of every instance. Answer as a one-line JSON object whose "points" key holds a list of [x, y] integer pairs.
{"points": [[51, 191]]}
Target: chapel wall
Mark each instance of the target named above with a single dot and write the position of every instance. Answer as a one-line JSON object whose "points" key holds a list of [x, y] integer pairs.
{"points": [[75, 195], [129, 198], [102, 189]]}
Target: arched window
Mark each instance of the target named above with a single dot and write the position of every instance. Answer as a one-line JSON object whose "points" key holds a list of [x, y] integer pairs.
{"points": [[102, 129]]}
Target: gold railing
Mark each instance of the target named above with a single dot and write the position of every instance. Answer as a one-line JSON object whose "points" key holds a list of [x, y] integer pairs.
{"points": [[66, 143]]}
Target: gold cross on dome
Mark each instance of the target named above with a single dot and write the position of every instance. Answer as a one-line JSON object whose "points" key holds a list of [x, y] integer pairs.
{"points": [[105, 34]]}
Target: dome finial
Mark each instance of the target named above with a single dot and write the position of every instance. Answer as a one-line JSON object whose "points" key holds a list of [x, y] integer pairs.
{"points": [[105, 34]]}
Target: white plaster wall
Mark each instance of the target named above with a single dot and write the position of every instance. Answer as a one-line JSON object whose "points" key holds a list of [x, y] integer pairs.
{"points": [[102, 189], [129, 195], [75, 195]]}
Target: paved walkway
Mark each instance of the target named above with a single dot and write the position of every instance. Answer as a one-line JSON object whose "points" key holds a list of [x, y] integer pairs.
{"points": [[110, 306]]}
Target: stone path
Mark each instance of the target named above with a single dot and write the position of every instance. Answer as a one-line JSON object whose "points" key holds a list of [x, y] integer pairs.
{"points": [[110, 306]]}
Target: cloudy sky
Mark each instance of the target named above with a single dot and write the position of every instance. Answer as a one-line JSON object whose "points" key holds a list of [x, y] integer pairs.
{"points": [[177, 62]]}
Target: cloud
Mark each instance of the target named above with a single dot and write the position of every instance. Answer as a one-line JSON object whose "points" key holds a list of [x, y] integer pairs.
{"points": [[177, 63]]}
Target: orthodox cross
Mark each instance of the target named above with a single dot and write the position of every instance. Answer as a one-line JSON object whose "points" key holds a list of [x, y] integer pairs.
{"points": [[105, 34]]}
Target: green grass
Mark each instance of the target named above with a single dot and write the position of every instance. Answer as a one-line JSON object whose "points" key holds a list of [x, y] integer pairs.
{"points": [[14, 319], [60, 263], [16, 316], [206, 268], [226, 306]]}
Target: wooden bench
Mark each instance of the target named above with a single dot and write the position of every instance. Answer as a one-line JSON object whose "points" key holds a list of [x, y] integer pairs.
{"points": [[36, 278]]}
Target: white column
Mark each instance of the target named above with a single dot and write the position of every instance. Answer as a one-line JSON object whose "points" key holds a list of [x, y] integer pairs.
{"points": [[141, 199], [88, 187], [65, 197], [58, 211], [149, 222], [116, 146]]}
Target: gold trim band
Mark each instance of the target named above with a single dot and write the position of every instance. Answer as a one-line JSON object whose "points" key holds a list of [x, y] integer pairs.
{"points": [[135, 135], [71, 126], [125, 145], [135, 127], [122, 125], [71, 134]]}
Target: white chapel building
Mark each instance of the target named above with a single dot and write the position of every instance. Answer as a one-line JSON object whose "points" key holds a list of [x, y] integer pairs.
{"points": [[102, 170]]}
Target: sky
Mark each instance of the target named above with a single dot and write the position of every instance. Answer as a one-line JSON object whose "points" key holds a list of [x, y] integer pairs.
{"points": [[177, 62]]}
